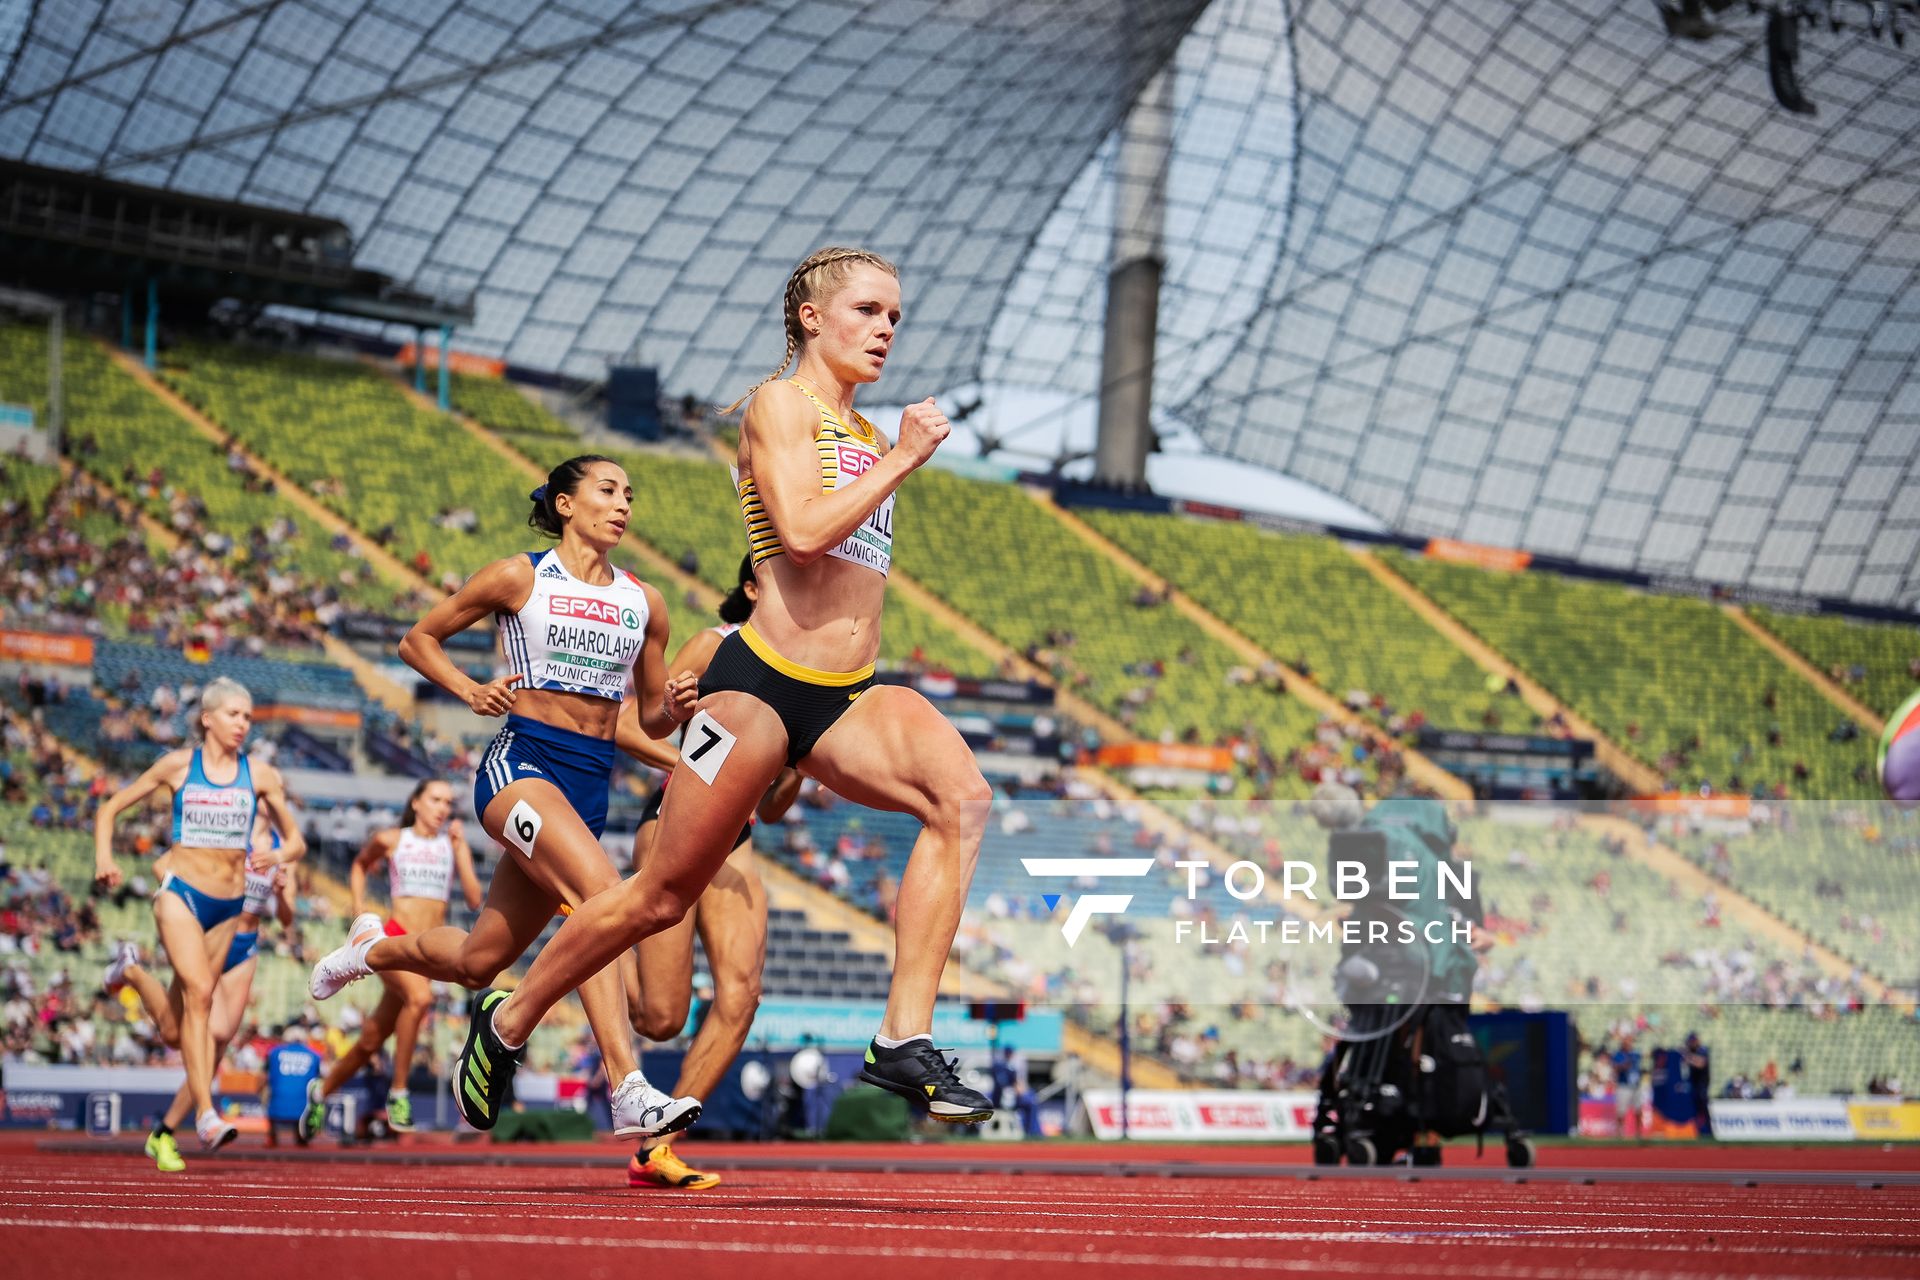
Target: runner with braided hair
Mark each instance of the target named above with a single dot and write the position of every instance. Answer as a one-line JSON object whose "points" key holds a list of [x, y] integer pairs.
{"points": [[794, 687]]}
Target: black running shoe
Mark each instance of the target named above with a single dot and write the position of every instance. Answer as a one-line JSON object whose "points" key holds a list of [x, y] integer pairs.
{"points": [[483, 1074], [919, 1071]]}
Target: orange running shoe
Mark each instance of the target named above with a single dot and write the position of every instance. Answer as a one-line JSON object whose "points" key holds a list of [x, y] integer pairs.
{"points": [[662, 1168]]}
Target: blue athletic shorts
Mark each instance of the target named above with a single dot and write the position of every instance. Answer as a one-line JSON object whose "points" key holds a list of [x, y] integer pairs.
{"points": [[244, 947], [207, 909], [577, 764]]}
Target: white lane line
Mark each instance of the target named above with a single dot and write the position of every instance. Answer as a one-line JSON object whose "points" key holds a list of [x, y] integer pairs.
{"points": [[1386, 1219], [1356, 1217], [1027, 1189], [1390, 1233], [547, 1241]]}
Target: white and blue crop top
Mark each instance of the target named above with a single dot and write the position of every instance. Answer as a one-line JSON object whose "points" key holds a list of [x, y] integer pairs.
{"points": [[207, 815], [571, 637]]}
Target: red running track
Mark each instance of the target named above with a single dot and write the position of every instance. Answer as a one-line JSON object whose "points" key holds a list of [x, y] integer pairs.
{"points": [[93, 1216]]}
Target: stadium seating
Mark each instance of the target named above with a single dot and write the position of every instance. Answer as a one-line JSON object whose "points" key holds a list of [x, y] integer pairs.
{"points": [[383, 463], [137, 435], [1304, 598], [1674, 681], [1849, 877], [136, 668], [374, 456], [994, 555], [1871, 660], [504, 408]]}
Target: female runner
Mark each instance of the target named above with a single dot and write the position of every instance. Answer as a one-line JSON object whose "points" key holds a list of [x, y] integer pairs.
{"points": [[269, 892], [203, 894], [578, 634], [425, 854], [795, 687], [731, 918]]}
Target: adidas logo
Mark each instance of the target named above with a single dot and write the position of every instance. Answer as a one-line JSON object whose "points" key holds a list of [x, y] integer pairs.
{"points": [[553, 571]]}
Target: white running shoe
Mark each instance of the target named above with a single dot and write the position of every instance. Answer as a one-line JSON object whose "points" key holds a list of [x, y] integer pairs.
{"points": [[347, 962], [642, 1111], [125, 956], [215, 1132]]}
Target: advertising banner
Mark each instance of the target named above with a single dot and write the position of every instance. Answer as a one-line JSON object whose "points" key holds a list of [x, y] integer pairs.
{"points": [[54, 650], [1225, 1115], [1805, 1119], [1884, 1119], [849, 1024]]}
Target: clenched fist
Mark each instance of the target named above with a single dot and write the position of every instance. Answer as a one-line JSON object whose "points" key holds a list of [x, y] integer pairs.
{"points": [[681, 696], [922, 429]]}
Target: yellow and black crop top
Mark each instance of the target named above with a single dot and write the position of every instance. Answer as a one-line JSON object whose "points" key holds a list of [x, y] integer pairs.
{"points": [[846, 454]]}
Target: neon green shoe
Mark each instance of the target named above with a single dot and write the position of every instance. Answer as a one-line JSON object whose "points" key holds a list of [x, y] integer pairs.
{"points": [[400, 1112], [314, 1119], [483, 1073], [165, 1153]]}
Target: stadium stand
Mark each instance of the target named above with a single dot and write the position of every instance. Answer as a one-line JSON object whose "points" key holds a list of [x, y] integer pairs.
{"points": [[1877, 662], [1673, 681], [1046, 594], [1849, 876], [504, 408], [1305, 600], [129, 440], [432, 495]]}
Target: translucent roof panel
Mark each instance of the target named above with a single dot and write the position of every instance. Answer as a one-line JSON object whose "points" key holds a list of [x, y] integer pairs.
{"points": [[615, 180], [1555, 281], [1228, 180]]}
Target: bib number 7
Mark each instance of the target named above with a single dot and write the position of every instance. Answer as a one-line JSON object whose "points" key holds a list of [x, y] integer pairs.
{"points": [[707, 746]]}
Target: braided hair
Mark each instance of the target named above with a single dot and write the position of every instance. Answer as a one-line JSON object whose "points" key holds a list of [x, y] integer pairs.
{"points": [[817, 276]]}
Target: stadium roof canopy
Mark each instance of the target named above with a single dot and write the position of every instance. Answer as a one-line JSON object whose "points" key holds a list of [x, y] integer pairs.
{"points": [[1532, 274]]}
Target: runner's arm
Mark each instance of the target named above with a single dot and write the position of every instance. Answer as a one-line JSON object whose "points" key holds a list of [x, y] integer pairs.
{"points": [[502, 586], [365, 863], [780, 796], [463, 864], [161, 773], [272, 792], [652, 691]]}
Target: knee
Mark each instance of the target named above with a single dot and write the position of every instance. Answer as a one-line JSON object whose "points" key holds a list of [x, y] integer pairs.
{"points": [[419, 1003], [645, 908], [960, 809], [476, 972], [736, 995], [660, 1021], [196, 994]]}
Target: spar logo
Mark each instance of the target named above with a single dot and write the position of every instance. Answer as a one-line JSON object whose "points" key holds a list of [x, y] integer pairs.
{"points": [[605, 612], [1092, 904], [855, 463]]}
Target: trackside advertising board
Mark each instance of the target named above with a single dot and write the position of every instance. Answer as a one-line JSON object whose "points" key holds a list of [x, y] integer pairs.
{"points": [[1803, 1119], [1225, 1115]]}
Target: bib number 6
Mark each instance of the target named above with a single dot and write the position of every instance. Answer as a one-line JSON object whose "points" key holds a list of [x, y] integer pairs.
{"points": [[522, 827]]}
